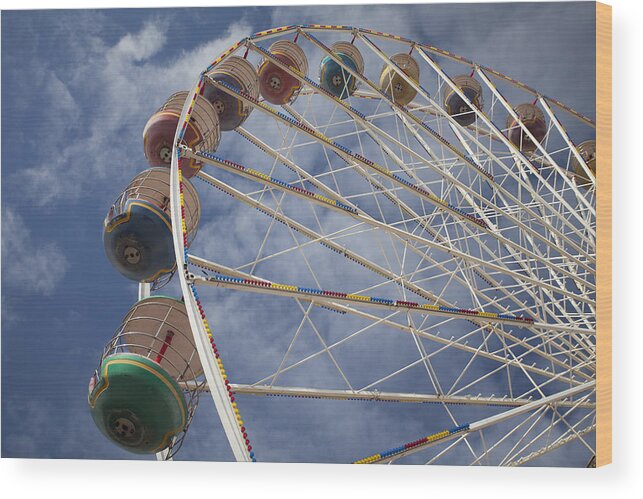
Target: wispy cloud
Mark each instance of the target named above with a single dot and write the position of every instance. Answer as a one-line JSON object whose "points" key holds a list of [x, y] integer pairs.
{"points": [[116, 90], [38, 268]]}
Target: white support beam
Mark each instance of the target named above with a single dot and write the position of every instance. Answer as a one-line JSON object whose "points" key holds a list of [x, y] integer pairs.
{"points": [[388, 228], [523, 158], [460, 344], [561, 129], [337, 298], [467, 161], [211, 370], [374, 395], [497, 418]]}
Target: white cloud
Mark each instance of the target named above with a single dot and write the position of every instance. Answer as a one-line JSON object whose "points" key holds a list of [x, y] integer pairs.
{"points": [[97, 107], [36, 268], [61, 100], [142, 45]]}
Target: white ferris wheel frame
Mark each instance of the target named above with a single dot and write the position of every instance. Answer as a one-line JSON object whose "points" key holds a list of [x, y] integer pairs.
{"points": [[216, 382]]}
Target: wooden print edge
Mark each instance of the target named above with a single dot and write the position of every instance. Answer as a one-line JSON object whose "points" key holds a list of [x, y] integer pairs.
{"points": [[604, 234]]}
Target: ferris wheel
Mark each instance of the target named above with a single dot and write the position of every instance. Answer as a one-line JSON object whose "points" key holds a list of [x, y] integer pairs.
{"points": [[387, 222]]}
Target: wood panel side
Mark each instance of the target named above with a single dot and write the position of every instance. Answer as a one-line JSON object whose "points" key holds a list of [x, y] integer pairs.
{"points": [[604, 234]]}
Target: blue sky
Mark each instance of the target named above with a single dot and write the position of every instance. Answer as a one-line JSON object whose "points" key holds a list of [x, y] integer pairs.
{"points": [[77, 89]]}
